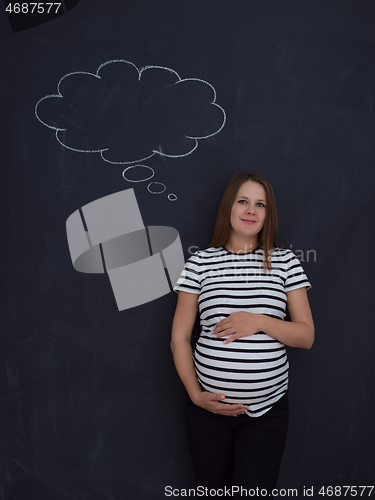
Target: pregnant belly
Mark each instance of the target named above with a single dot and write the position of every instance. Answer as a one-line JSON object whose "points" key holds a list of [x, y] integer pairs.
{"points": [[250, 370]]}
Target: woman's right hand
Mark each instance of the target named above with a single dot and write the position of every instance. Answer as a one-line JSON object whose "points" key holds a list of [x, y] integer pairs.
{"points": [[214, 403]]}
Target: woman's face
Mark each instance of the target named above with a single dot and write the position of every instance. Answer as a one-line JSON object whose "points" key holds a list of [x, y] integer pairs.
{"points": [[248, 211]]}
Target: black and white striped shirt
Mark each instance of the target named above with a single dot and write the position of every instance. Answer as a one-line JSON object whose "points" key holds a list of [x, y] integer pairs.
{"points": [[252, 370]]}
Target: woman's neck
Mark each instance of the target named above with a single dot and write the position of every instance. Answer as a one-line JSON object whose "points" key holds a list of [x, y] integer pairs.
{"points": [[239, 245]]}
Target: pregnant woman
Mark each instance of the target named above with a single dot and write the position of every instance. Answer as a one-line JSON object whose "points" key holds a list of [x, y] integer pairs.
{"points": [[237, 379]]}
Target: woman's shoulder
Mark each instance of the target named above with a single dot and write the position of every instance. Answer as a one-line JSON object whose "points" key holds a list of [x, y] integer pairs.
{"points": [[207, 254], [282, 254]]}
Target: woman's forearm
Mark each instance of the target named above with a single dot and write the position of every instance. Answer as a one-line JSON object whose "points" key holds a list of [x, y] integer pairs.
{"points": [[290, 333], [183, 323], [298, 332], [183, 360]]}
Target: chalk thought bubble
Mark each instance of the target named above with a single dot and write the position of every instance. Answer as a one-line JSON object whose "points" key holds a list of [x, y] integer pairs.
{"points": [[129, 115]]}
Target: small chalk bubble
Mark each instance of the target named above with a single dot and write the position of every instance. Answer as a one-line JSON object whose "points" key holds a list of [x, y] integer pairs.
{"points": [[172, 197], [140, 173], [156, 187]]}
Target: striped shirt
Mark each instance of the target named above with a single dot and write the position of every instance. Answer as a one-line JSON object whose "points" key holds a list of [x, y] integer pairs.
{"points": [[252, 370]]}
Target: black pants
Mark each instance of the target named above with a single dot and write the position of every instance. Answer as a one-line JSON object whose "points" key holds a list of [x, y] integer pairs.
{"points": [[238, 451]]}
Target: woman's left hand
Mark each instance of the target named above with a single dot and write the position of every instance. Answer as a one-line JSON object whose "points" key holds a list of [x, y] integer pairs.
{"points": [[238, 324]]}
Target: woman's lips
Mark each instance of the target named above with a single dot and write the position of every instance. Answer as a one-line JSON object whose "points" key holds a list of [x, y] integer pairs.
{"points": [[249, 221]]}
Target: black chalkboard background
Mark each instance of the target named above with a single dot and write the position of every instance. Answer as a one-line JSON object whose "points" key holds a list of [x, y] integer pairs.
{"points": [[91, 407]]}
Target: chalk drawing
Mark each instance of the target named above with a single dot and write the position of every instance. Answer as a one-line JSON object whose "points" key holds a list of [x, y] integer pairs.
{"points": [[153, 187], [126, 173], [120, 112]]}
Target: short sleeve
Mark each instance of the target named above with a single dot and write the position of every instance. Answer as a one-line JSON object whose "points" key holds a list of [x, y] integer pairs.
{"points": [[295, 275], [189, 278]]}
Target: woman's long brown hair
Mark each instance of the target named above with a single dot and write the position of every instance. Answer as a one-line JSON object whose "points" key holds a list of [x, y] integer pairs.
{"points": [[267, 237]]}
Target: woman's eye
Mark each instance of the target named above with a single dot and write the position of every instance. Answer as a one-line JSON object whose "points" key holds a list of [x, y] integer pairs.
{"points": [[259, 204]]}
